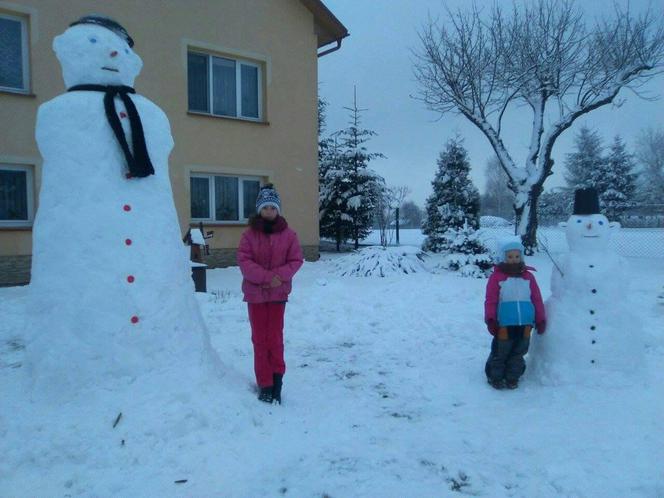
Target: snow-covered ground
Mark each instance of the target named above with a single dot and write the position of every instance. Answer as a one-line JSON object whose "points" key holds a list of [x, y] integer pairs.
{"points": [[385, 395]]}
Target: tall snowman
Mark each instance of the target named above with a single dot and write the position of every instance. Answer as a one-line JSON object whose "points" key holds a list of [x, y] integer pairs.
{"points": [[111, 291], [593, 336]]}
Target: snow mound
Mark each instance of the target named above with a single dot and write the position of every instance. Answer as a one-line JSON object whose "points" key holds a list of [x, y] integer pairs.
{"points": [[494, 222], [381, 262]]}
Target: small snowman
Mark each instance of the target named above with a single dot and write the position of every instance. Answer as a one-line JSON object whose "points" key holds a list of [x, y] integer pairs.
{"points": [[592, 336], [111, 289]]}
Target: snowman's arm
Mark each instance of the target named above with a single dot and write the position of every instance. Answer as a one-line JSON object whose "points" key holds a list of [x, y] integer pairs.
{"points": [[154, 118], [50, 129]]}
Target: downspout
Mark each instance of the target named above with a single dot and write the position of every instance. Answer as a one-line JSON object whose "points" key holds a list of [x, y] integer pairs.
{"points": [[330, 50]]}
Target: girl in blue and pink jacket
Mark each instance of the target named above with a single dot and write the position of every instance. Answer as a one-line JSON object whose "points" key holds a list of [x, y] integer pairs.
{"points": [[512, 307]]}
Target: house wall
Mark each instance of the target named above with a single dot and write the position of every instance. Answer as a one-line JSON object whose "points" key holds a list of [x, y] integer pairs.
{"points": [[278, 34]]}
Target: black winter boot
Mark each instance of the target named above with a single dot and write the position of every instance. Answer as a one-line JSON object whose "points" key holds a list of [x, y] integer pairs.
{"points": [[265, 394], [277, 382]]}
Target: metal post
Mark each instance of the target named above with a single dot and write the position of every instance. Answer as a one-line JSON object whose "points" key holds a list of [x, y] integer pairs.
{"points": [[397, 215]]}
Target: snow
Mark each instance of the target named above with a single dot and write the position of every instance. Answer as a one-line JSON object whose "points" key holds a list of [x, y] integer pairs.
{"points": [[384, 395]]}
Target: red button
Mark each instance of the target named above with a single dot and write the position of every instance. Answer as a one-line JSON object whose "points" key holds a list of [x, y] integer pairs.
{"points": [[126, 207], [134, 319], [130, 279], [123, 115], [128, 242]]}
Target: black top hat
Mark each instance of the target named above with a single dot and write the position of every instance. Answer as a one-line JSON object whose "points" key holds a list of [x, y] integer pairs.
{"points": [[107, 23], [586, 201]]}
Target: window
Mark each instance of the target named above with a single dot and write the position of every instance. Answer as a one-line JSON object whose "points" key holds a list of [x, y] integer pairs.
{"points": [[14, 74], [16, 202], [223, 86], [223, 197]]}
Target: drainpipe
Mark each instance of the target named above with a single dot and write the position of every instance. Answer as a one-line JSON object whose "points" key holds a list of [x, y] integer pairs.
{"points": [[330, 50]]}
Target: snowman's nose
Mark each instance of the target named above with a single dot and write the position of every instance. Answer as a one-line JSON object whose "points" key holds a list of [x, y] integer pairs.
{"points": [[114, 53], [589, 226]]}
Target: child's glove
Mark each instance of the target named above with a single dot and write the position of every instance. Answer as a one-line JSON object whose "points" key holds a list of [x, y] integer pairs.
{"points": [[541, 327], [492, 326]]}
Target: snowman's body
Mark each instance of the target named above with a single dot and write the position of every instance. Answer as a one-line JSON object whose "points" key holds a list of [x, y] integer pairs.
{"points": [[592, 335], [110, 276]]}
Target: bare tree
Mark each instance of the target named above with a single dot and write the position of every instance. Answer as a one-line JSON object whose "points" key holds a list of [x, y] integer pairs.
{"points": [[542, 57], [388, 202]]}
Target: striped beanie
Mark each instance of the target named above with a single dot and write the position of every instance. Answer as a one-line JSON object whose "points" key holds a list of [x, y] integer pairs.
{"points": [[268, 196]]}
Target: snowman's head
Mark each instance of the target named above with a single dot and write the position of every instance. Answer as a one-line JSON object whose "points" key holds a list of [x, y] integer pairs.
{"points": [[97, 53], [588, 232]]}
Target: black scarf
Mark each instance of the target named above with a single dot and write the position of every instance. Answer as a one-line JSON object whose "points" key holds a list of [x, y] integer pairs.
{"points": [[139, 162]]}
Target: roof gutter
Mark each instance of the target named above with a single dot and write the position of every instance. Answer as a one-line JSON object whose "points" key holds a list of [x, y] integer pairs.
{"points": [[330, 50]]}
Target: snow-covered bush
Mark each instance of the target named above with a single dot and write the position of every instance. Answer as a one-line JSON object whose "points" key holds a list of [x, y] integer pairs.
{"points": [[381, 262], [467, 254]]}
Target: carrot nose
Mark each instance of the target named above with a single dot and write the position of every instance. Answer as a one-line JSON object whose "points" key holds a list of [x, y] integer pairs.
{"points": [[589, 226], [114, 53]]}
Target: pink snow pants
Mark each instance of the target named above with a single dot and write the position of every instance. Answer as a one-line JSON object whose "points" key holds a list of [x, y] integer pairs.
{"points": [[267, 335]]}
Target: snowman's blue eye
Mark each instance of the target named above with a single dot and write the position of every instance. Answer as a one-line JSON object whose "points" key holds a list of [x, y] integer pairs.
{"points": [[126, 50], [601, 222], [92, 39], [578, 221]]}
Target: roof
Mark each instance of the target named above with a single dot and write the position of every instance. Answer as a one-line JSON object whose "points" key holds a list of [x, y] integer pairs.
{"points": [[328, 28]]}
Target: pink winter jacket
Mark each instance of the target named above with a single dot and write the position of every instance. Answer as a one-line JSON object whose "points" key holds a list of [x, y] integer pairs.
{"points": [[262, 255], [495, 298]]}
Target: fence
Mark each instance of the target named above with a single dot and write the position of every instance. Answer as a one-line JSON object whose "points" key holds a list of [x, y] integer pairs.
{"points": [[628, 242]]}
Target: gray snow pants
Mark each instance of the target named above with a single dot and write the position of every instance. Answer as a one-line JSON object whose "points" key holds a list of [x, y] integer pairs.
{"points": [[506, 358]]}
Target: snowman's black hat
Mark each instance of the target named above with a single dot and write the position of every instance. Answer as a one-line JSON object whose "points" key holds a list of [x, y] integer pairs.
{"points": [[586, 201], [108, 23]]}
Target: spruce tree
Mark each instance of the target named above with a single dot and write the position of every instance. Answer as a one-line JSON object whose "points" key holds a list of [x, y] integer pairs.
{"points": [[454, 201], [582, 164], [615, 181], [362, 185], [452, 214]]}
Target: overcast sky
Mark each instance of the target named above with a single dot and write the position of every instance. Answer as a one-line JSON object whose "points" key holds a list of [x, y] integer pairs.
{"points": [[377, 59]]}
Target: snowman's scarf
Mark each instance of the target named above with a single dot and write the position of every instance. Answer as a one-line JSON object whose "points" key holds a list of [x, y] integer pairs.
{"points": [[139, 161]]}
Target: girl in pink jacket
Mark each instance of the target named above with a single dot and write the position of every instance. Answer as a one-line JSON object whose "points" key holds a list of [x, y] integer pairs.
{"points": [[512, 307], [269, 256]]}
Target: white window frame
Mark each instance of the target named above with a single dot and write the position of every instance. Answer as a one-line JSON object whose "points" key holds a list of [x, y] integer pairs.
{"points": [[240, 193], [238, 86], [24, 55], [29, 185]]}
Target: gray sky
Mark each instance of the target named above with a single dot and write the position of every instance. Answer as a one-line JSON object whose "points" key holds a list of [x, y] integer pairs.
{"points": [[377, 58]]}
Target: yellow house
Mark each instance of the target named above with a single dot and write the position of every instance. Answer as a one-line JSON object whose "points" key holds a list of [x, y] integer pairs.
{"points": [[238, 80]]}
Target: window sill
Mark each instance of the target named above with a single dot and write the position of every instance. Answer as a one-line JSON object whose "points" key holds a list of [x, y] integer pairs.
{"points": [[230, 118], [17, 93], [15, 228], [196, 224]]}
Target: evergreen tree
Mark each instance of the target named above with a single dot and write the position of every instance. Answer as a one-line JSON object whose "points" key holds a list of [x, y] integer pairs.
{"points": [[361, 185], [582, 164], [555, 206], [454, 201], [452, 214], [615, 181], [650, 155], [332, 189]]}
